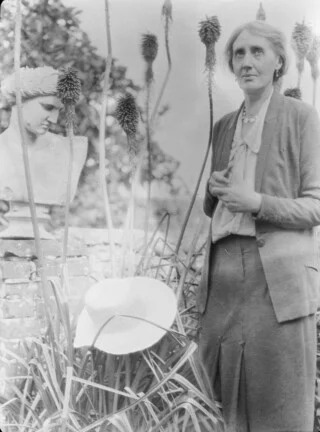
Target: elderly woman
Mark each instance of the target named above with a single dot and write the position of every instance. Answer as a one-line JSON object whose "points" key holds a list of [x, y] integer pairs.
{"points": [[259, 290], [48, 152]]}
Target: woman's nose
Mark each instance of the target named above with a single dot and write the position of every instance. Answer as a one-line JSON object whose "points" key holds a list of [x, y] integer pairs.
{"points": [[247, 60]]}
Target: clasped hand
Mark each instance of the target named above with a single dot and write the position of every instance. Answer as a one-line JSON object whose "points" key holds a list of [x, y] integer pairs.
{"points": [[236, 196]]}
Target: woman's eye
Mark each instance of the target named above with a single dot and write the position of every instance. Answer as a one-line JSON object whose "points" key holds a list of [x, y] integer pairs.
{"points": [[257, 51]]}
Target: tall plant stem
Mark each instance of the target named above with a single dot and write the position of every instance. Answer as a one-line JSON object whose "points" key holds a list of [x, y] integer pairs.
{"points": [[24, 140], [149, 174], [166, 79], [186, 219], [314, 95], [299, 79], [68, 199], [102, 133]]}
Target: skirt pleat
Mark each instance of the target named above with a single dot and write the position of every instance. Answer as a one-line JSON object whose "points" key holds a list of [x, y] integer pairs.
{"points": [[263, 372]]}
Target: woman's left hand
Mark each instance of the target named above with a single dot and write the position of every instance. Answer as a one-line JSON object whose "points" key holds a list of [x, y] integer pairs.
{"points": [[237, 198]]}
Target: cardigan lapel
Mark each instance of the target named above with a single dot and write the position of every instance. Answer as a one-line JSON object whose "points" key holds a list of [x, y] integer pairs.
{"points": [[226, 142], [268, 134]]}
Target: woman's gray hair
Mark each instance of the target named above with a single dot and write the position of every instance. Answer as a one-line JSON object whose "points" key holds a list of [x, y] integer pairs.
{"points": [[260, 28]]}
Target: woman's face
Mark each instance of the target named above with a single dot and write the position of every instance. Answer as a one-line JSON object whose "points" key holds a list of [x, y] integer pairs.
{"points": [[39, 112], [254, 62]]}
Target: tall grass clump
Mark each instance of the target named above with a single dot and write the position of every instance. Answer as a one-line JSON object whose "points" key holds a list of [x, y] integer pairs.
{"points": [[149, 51], [301, 41], [313, 57]]}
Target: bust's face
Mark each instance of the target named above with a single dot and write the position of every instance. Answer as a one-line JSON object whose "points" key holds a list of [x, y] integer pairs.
{"points": [[39, 112]]}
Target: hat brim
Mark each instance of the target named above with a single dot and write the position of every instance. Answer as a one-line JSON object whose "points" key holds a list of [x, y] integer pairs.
{"points": [[132, 334]]}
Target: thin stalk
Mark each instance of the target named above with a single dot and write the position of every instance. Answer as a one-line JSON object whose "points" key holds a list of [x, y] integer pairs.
{"points": [[102, 133], [185, 222], [314, 95], [166, 79], [24, 140], [68, 200], [148, 138]]}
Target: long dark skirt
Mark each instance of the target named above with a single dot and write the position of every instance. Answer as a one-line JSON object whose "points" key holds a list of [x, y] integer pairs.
{"points": [[263, 372]]}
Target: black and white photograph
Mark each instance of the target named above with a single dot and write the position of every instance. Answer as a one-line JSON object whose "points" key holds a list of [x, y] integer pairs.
{"points": [[159, 216]]}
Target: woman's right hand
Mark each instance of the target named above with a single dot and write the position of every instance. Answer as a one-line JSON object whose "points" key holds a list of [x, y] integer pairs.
{"points": [[218, 179]]}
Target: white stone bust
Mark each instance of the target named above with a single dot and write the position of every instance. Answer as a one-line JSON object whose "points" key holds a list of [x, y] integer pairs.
{"points": [[48, 152]]}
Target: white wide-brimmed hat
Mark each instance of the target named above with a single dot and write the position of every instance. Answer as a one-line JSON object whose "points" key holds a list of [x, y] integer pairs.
{"points": [[149, 303]]}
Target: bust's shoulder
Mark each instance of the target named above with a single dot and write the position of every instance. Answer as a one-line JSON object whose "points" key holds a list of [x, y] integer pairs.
{"points": [[59, 140]]}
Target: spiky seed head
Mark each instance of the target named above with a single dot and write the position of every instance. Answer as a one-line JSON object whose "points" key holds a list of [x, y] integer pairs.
{"points": [[167, 10], [301, 39], [209, 30], [149, 47], [261, 15], [294, 92], [69, 86], [313, 55], [127, 114]]}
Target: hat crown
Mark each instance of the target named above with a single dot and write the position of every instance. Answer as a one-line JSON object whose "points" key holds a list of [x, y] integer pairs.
{"points": [[111, 298]]}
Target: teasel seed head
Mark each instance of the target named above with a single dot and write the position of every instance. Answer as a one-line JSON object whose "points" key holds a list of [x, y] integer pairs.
{"points": [[68, 91], [209, 33], [210, 30], [301, 39], [149, 47], [127, 114], [261, 15], [313, 56], [294, 92], [69, 86], [167, 10]]}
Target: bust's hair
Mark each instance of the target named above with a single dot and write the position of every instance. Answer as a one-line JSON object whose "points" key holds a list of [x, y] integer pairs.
{"points": [[34, 82], [275, 37]]}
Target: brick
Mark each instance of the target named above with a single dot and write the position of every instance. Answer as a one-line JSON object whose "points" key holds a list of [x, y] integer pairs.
{"points": [[17, 269]]}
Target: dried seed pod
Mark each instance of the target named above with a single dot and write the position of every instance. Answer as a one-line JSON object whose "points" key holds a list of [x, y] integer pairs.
{"points": [[69, 86], [210, 30], [261, 15], [209, 33], [301, 39], [149, 47], [127, 114], [294, 92], [313, 56], [167, 10]]}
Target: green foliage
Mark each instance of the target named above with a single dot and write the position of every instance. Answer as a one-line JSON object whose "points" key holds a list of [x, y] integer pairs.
{"points": [[159, 389], [51, 35]]}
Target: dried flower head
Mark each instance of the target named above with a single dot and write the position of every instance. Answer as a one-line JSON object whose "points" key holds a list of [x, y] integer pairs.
{"points": [[301, 39], [149, 47], [313, 56], [167, 10], [261, 15], [294, 92], [127, 114], [69, 87], [209, 33], [210, 30]]}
